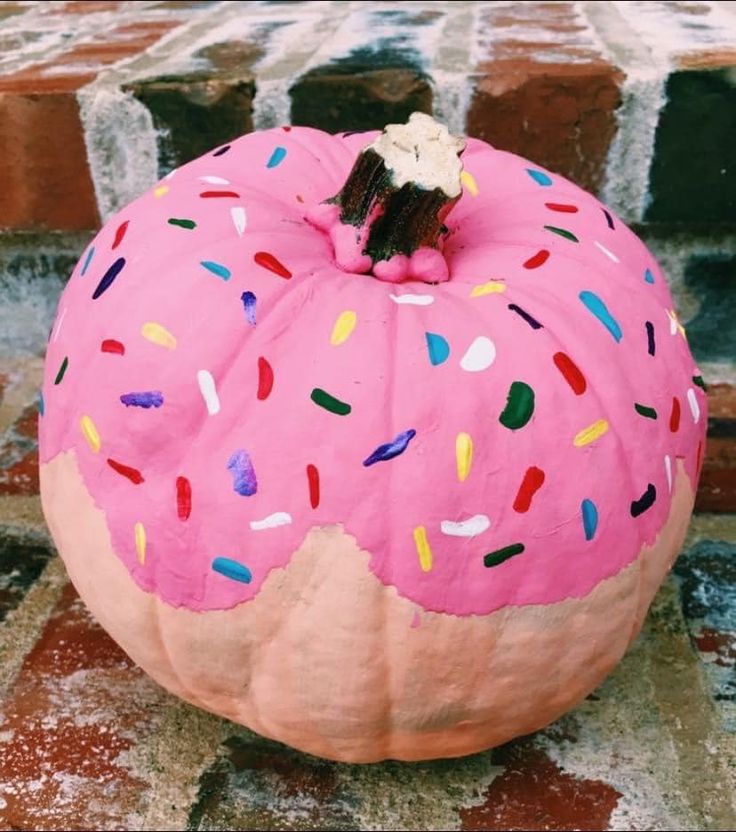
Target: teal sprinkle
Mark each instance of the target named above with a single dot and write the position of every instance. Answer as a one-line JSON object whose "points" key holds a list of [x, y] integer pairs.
{"points": [[648, 276], [88, 260], [539, 177], [216, 268], [41, 404]]}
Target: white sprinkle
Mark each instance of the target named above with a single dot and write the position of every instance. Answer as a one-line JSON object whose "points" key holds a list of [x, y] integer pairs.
{"points": [[208, 391], [215, 180], [279, 518], [466, 528], [479, 356], [61, 321], [239, 219], [607, 252], [171, 174], [668, 471], [413, 300], [673, 323], [692, 400]]}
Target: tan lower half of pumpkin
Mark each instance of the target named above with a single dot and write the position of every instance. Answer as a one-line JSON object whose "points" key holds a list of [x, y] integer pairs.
{"points": [[325, 659]]}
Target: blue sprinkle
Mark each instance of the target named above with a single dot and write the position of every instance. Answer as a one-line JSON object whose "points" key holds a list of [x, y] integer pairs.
{"points": [[150, 398], [595, 305], [244, 475], [277, 157], [108, 277], [88, 260], [232, 569], [391, 449], [539, 177], [249, 304], [590, 518], [216, 268], [41, 404], [648, 276], [438, 348]]}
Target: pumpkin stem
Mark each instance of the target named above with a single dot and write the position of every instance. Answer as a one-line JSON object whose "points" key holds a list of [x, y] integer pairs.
{"points": [[388, 217]]}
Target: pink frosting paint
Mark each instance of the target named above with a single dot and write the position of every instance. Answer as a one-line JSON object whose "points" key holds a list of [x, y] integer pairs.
{"points": [[253, 316]]}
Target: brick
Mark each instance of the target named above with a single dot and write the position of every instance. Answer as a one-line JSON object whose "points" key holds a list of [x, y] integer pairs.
{"points": [[23, 555], [711, 333], [19, 455], [717, 487]]}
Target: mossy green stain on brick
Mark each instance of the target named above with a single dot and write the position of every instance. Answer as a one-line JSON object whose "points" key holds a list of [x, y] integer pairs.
{"points": [[711, 333], [23, 555]]}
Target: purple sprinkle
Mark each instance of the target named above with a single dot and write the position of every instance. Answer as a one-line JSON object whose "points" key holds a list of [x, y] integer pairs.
{"points": [[221, 150], [244, 475], [109, 277], [149, 398], [533, 322], [609, 219], [249, 304], [391, 449]]}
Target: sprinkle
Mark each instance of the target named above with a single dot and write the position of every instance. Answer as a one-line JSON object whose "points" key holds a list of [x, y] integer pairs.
{"points": [[182, 223], [277, 157], [183, 498], [423, 550], [591, 433], [648, 276], [149, 398], [139, 532], [570, 372], [537, 260], [532, 482], [112, 346], [694, 406], [268, 261], [643, 410], [700, 382], [41, 404], [214, 180], [644, 502], [244, 475], [463, 455], [209, 391], [590, 518], [162, 190], [159, 335], [88, 260], [344, 325], [278, 518], [562, 232], [133, 474], [609, 254], [492, 287], [109, 277], [240, 220], [313, 483], [562, 208], [651, 343], [675, 415], [221, 150], [673, 322], [479, 355], [519, 406], [539, 177], [265, 379], [60, 323], [171, 174], [413, 300], [391, 449], [62, 370], [323, 399], [668, 472], [595, 305], [89, 431], [219, 195], [609, 219], [232, 569], [533, 322], [472, 527], [500, 555], [249, 305], [119, 234], [437, 347], [216, 269], [467, 179]]}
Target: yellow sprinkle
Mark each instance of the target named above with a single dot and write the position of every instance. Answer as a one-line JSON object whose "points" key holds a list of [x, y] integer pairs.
{"points": [[158, 335], [140, 542], [344, 325], [161, 190], [591, 433], [89, 431], [470, 183], [492, 287], [423, 550], [463, 455]]}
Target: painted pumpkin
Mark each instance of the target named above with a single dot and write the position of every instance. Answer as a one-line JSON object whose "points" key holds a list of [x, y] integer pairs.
{"points": [[377, 457]]}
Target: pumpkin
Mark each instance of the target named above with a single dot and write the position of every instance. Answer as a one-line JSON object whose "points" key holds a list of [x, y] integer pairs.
{"points": [[376, 451]]}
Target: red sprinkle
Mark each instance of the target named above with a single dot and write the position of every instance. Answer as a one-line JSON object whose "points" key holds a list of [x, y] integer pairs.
{"points": [[268, 261], [675, 415], [119, 234], [699, 461], [561, 207], [532, 482], [313, 480], [183, 498], [570, 372], [265, 378], [539, 259], [110, 345], [133, 474], [215, 194], [286, 129]]}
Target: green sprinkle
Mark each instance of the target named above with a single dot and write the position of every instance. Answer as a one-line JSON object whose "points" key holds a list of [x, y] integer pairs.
{"points": [[329, 402], [500, 555], [563, 232], [182, 223], [519, 406], [699, 381], [643, 410], [62, 370]]}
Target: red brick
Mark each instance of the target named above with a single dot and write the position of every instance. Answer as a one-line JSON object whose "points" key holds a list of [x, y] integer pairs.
{"points": [[717, 487]]}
